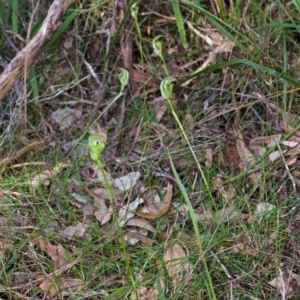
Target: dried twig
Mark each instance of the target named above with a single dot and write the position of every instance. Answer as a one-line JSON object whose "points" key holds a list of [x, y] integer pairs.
{"points": [[4, 162], [28, 55]]}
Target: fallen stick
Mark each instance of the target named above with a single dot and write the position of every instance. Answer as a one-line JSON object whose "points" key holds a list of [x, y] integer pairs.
{"points": [[29, 54]]}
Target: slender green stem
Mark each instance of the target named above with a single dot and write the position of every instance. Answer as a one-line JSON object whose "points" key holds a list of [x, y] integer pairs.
{"points": [[119, 230]]}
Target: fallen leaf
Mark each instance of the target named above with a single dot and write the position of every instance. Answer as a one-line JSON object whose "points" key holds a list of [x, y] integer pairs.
{"points": [[126, 182], [56, 252], [162, 208], [287, 283], [88, 209], [181, 208], [274, 156], [226, 46], [188, 122], [290, 144], [288, 128], [209, 158], [67, 286], [226, 191], [246, 156], [102, 193], [144, 293], [65, 117], [264, 209], [45, 176], [108, 176], [50, 285], [81, 198], [230, 157], [292, 161], [70, 286], [103, 213], [142, 223], [177, 265], [221, 216], [160, 106], [78, 230], [245, 249], [134, 236], [265, 141], [127, 212]]}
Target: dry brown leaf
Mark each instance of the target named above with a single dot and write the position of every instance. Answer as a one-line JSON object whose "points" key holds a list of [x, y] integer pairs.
{"points": [[259, 145], [49, 286], [53, 285], [144, 293], [4, 244], [245, 249], [295, 137], [45, 176], [230, 157], [209, 157], [127, 211], [103, 213], [289, 118], [291, 144], [226, 46], [162, 208], [181, 208], [291, 161], [227, 192], [152, 201], [126, 182], [102, 193], [287, 283], [274, 156], [134, 236], [159, 105], [88, 209], [71, 285], [65, 117], [78, 230], [101, 178], [246, 156], [177, 264], [188, 122], [221, 216], [266, 141], [57, 253], [143, 78], [264, 209], [142, 223]]}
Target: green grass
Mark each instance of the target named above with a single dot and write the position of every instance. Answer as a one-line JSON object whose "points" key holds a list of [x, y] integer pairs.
{"points": [[233, 256]]}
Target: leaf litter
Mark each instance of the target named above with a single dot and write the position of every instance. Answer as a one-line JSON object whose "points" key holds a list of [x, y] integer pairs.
{"points": [[141, 215]]}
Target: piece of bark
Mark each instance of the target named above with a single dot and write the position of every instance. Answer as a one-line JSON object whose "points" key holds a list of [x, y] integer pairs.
{"points": [[29, 54]]}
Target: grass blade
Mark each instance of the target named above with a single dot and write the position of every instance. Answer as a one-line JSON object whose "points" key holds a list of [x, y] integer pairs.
{"points": [[34, 83], [63, 27], [249, 63], [297, 4], [179, 22], [210, 287], [15, 15]]}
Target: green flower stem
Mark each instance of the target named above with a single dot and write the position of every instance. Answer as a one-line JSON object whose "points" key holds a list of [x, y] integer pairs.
{"points": [[134, 13], [97, 145]]}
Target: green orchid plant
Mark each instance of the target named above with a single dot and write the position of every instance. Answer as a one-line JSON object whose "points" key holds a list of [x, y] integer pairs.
{"points": [[97, 143]]}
